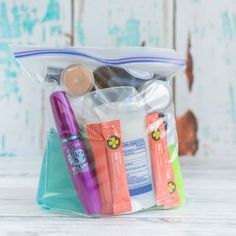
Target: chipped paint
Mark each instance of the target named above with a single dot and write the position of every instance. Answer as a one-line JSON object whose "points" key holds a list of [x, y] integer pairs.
{"points": [[53, 11], [56, 30], [228, 25], [130, 35], [5, 31], [232, 103], [7, 154], [143, 44], [29, 22], [3, 152], [189, 62], [80, 32], [187, 133], [9, 83], [16, 22], [26, 23]]}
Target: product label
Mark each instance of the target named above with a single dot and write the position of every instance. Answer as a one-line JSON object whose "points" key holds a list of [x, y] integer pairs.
{"points": [[136, 165], [115, 158], [76, 158]]}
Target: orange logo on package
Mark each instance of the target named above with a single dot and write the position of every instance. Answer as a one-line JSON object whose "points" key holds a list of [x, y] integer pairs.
{"points": [[171, 187], [113, 142], [156, 134]]}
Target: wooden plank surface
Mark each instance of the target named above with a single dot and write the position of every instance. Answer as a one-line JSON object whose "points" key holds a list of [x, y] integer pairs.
{"points": [[210, 208], [109, 23], [206, 35], [43, 22]]}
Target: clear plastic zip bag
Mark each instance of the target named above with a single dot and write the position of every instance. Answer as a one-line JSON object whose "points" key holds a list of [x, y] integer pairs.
{"points": [[112, 147]]}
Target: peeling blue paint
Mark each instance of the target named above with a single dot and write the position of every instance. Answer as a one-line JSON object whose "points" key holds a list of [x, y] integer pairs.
{"points": [[80, 32], [23, 19], [29, 23], [9, 82], [130, 36], [157, 41], [10, 85], [20, 99], [53, 11], [3, 152], [114, 30], [56, 30], [4, 22], [16, 22], [228, 26], [7, 154], [232, 103], [4, 50]]}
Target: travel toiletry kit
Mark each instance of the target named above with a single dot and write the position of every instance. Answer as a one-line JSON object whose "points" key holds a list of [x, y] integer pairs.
{"points": [[112, 146]]}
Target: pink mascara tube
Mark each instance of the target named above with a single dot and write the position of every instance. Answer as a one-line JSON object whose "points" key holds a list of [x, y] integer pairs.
{"points": [[75, 153]]}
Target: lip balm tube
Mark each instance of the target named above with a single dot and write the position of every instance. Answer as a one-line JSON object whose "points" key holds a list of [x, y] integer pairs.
{"points": [[121, 202], [77, 158], [164, 179], [98, 147]]}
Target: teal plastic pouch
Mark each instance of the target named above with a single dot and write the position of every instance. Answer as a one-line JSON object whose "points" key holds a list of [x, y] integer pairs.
{"points": [[56, 190]]}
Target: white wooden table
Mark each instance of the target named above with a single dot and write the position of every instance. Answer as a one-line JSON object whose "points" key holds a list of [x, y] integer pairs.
{"points": [[210, 185]]}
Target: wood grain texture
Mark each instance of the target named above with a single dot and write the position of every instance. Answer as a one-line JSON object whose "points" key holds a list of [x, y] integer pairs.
{"points": [[209, 28], [109, 23], [21, 99], [210, 208]]}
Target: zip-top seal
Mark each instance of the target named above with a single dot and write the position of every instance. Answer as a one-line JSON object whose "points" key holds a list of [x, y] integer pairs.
{"points": [[170, 56], [142, 60]]}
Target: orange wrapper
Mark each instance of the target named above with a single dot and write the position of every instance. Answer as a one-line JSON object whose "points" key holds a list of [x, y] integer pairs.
{"points": [[98, 147], [164, 179], [121, 201]]}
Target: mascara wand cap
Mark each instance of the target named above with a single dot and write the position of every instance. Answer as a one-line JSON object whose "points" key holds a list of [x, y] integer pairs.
{"points": [[64, 116]]}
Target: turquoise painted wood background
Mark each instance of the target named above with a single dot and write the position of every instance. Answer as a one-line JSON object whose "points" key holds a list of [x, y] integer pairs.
{"points": [[204, 31]]}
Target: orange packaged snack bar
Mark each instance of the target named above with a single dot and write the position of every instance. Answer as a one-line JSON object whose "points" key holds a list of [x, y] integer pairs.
{"points": [[121, 202], [97, 145], [163, 175]]}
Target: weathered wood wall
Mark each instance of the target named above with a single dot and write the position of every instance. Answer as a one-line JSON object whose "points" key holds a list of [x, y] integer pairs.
{"points": [[203, 32], [206, 36], [21, 100]]}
